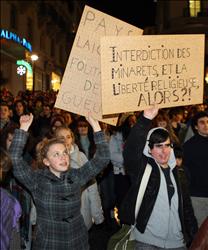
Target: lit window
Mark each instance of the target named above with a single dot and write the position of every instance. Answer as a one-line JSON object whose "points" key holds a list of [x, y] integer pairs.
{"points": [[29, 80], [194, 7], [55, 81]]}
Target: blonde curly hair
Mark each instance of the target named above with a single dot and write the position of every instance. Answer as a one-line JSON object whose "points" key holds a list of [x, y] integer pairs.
{"points": [[56, 133]]}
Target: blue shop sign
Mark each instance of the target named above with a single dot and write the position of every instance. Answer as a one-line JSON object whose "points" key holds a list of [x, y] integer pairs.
{"points": [[14, 37]]}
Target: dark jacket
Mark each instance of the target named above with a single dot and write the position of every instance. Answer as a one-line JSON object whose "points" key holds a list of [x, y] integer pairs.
{"points": [[200, 241], [196, 162], [60, 225], [135, 162]]}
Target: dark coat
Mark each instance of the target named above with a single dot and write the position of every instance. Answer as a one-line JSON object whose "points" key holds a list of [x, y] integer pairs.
{"points": [[200, 241], [196, 162], [135, 162], [60, 225]]}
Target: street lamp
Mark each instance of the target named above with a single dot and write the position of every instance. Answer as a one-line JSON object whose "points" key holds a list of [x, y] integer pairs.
{"points": [[34, 58]]}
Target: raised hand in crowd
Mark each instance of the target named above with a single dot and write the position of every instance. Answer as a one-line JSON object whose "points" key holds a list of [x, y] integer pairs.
{"points": [[26, 121], [151, 113], [94, 123]]}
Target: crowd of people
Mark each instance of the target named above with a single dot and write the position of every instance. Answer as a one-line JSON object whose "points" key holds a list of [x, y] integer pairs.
{"points": [[62, 174]]}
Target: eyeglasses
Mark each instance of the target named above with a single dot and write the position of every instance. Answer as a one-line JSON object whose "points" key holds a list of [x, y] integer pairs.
{"points": [[160, 145]]}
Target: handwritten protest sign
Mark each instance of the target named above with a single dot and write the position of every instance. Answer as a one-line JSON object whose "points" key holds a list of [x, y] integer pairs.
{"points": [[81, 84], [164, 69]]}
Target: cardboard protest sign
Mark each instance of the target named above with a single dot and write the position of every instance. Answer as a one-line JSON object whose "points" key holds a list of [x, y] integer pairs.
{"points": [[164, 69], [81, 84]]}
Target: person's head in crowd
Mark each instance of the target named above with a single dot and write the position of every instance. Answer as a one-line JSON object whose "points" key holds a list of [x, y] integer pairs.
{"points": [[53, 153], [56, 111], [185, 114], [127, 124], [5, 164], [38, 103], [20, 94], [66, 134], [4, 112], [84, 137], [193, 110], [46, 110], [38, 106], [200, 107], [106, 128], [67, 117], [159, 146], [7, 135], [178, 152], [10, 100], [163, 120], [19, 107], [176, 114], [131, 120], [30, 105], [200, 123], [56, 122], [82, 126], [128, 117]]}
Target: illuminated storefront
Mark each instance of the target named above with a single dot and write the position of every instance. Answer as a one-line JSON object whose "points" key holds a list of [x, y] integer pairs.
{"points": [[15, 51], [46, 28], [29, 73], [6, 34], [55, 81]]}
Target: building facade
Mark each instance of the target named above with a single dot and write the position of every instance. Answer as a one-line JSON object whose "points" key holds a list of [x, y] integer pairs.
{"points": [[42, 28], [47, 29], [184, 17]]}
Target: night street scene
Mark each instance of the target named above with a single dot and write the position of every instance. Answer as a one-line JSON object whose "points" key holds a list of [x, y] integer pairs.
{"points": [[104, 125]]}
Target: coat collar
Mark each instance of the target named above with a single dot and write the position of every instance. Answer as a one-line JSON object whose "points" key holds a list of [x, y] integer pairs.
{"points": [[48, 174]]}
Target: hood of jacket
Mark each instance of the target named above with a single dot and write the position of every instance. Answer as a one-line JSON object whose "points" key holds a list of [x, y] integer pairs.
{"points": [[74, 149]]}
